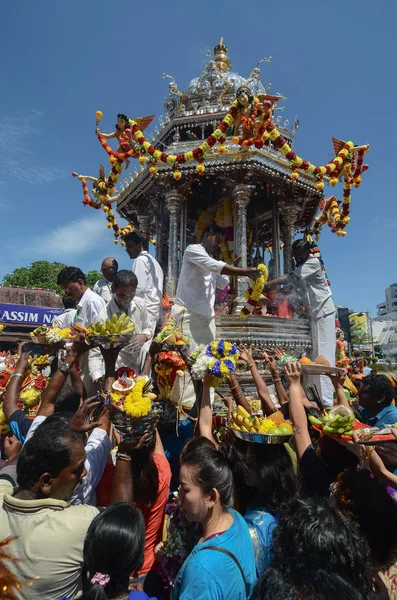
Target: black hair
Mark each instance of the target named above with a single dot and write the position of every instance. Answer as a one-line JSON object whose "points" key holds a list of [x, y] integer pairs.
{"points": [[336, 457], [266, 476], [125, 277], [134, 237], [47, 451], [324, 586], [124, 117], [68, 302], [314, 536], [211, 471], [145, 476], [244, 90], [68, 400], [212, 229], [368, 503], [114, 547], [70, 274], [379, 385], [301, 244]]}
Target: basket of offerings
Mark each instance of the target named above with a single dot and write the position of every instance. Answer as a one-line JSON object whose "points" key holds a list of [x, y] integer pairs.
{"points": [[171, 335], [260, 430], [117, 331], [131, 409], [52, 335], [320, 366]]}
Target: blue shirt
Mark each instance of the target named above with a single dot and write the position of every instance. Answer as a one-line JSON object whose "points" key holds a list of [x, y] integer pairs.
{"points": [[261, 525], [387, 416], [212, 575]]}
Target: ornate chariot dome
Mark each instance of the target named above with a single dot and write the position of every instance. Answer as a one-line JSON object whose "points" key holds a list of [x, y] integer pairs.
{"points": [[215, 88]]}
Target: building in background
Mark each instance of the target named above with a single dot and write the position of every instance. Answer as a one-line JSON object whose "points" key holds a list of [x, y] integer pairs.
{"points": [[24, 309], [387, 310]]}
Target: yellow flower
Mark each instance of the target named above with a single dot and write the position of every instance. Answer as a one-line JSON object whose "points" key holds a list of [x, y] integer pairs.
{"points": [[136, 405], [157, 154], [188, 156]]}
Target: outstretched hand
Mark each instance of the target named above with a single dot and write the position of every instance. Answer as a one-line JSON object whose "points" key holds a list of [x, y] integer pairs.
{"points": [[270, 362], [246, 353], [80, 420], [253, 273], [339, 379], [12, 447], [293, 371]]}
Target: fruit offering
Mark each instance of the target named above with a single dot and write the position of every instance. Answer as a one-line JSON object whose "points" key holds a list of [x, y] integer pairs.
{"points": [[171, 334], [338, 421], [52, 335], [243, 421], [305, 360], [116, 325]]}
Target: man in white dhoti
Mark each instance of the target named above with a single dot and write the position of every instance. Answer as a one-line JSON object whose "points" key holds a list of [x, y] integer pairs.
{"points": [[124, 301], [318, 299], [200, 276]]}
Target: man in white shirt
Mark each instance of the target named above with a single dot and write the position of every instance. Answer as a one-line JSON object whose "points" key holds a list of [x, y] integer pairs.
{"points": [[67, 318], [103, 286], [321, 309], [125, 302], [194, 304], [89, 310], [150, 276]]}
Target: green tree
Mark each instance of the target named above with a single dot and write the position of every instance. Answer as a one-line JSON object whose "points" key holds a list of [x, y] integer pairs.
{"points": [[92, 277], [43, 274]]}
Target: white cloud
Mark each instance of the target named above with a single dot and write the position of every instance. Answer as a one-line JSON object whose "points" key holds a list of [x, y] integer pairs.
{"points": [[72, 240], [21, 161]]}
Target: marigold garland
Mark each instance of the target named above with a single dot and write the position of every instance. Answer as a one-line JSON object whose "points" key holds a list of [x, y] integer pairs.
{"points": [[253, 293], [136, 405]]}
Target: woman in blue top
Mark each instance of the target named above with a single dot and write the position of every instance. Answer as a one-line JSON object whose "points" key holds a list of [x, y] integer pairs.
{"points": [[222, 564], [265, 482]]}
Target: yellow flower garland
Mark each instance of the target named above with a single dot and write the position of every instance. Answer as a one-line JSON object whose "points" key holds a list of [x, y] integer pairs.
{"points": [[254, 293], [136, 405]]}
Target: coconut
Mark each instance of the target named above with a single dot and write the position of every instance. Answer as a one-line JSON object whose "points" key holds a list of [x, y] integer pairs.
{"points": [[126, 386], [344, 411]]}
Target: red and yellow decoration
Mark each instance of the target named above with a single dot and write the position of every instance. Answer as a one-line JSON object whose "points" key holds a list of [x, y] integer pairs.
{"points": [[169, 365], [254, 293]]}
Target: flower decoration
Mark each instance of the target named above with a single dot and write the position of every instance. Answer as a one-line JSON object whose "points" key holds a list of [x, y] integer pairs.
{"points": [[52, 335], [10, 588], [254, 293], [217, 359], [137, 402], [169, 365]]}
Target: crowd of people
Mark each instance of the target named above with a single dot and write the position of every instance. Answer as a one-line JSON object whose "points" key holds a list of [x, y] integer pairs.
{"points": [[83, 511]]}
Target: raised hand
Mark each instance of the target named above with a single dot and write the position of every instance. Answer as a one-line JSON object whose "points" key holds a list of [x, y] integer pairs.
{"points": [[12, 447], [80, 420], [293, 371], [246, 353], [279, 353], [338, 380], [270, 361]]}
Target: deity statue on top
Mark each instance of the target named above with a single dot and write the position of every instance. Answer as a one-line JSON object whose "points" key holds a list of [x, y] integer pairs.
{"points": [[124, 133]]}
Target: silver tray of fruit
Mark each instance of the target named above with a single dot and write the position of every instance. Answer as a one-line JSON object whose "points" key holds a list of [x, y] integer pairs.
{"points": [[108, 339], [264, 438]]}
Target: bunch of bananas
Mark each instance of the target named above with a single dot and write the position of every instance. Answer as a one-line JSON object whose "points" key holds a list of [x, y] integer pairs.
{"points": [[115, 325], [243, 421], [336, 423]]}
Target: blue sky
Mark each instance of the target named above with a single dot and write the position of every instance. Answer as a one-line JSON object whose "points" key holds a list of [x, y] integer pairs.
{"points": [[62, 61]]}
